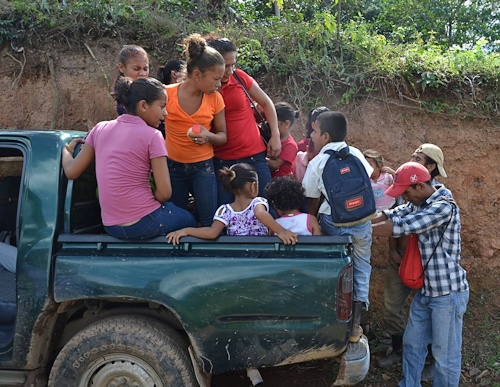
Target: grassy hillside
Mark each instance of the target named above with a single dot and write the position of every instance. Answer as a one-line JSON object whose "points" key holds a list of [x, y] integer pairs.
{"points": [[308, 59]]}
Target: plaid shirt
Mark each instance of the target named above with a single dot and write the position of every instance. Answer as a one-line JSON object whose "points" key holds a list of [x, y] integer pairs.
{"points": [[443, 274]]}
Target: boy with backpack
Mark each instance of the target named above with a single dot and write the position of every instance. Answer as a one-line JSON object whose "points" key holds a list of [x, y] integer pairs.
{"points": [[341, 174]]}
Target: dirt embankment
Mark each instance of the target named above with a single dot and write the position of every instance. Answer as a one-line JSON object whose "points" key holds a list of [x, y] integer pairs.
{"points": [[67, 87]]}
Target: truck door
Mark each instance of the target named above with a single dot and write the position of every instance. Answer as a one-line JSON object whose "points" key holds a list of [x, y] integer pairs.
{"points": [[11, 170]]}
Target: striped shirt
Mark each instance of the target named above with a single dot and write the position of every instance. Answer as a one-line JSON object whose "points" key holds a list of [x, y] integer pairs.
{"points": [[443, 274]]}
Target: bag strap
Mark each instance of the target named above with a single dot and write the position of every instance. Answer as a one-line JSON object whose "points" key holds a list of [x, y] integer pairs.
{"points": [[453, 205], [248, 95]]}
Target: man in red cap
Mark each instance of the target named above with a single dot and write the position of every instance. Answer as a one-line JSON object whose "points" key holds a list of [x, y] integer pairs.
{"points": [[436, 313], [395, 292]]}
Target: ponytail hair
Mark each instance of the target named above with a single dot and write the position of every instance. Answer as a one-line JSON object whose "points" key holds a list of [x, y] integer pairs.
{"points": [[235, 178], [199, 55], [173, 65], [285, 112], [129, 92]]}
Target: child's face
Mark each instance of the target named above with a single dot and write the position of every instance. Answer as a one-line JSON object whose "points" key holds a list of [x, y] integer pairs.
{"points": [[319, 140], [374, 165], [153, 113], [253, 189], [283, 127], [136, 67]]}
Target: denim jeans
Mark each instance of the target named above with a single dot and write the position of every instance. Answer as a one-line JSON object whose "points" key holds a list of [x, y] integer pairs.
{"points": [[362, 242], [165, 219], [199, 180], [437, 321]]}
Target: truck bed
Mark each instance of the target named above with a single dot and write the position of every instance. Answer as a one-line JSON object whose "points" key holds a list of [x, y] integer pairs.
{"points": [[238, 298]]}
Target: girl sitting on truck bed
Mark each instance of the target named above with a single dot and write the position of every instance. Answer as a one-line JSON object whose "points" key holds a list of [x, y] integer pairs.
{"points": [[247, 215], [126, 150]]}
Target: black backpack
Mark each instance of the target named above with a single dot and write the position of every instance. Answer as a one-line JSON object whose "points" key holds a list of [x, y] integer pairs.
{"points": [[348, 188]]}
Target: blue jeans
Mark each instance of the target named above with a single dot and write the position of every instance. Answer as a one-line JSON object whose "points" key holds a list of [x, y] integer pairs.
{"points": [[165, 219], [199, 180], [437, 321], [362, 243]]}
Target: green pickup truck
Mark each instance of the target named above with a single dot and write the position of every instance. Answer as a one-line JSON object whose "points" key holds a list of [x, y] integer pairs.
{"points": [[86, 309]]}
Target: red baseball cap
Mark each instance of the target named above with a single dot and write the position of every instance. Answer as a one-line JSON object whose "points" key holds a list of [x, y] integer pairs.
{"points": [[406, 175]]}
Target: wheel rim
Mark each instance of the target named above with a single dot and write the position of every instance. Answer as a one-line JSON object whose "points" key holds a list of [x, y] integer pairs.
{"points": [[120, 370]]}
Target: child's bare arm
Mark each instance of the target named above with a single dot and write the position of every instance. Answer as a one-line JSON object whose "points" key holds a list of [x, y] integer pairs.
{"points": [[211, 232], [389, 170], [312, 206], [267, 220], [314, 225]]}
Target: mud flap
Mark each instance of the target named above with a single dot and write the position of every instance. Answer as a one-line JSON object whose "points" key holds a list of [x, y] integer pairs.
{"points": [[203, 378], [355, 363]]}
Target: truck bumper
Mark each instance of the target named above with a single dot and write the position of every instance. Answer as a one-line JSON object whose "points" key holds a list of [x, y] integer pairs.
{"points": [[355, 363]]}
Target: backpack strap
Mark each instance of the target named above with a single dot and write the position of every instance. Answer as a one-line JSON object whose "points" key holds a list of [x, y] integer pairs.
{"points": [[453, 207]]}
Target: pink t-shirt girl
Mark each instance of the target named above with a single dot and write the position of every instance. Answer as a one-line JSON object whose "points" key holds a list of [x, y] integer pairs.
{"points": [[123, 151]]}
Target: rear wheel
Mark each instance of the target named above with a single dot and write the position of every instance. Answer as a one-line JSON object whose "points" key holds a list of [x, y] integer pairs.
{"points": [[124, 351]]}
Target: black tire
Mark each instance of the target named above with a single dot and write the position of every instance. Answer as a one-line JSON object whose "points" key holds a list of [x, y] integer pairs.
{"points": [[124, 350]]}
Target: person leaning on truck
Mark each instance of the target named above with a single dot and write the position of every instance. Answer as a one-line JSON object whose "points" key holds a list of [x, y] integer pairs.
{"points": [[436, 313], [125, 151]]}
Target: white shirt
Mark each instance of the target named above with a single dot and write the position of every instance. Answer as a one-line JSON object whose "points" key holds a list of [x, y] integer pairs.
{"points": [[313, 180]]}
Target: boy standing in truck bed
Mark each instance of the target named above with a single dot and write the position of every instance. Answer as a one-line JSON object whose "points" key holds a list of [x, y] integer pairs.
{"points": [[329, 133]]}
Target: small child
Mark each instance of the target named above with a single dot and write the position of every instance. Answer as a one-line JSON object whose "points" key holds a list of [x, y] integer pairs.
{"points": [[380, 180], [287, 196], [247, 215], [282, 165]]}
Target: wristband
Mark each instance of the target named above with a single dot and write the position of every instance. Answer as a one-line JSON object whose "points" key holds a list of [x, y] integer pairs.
{"points": [[70, 150]]}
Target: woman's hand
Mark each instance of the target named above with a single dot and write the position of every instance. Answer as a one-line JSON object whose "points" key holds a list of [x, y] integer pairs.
{"points": [[75, 166], [200, 138], [73, 143], [274, 147]]}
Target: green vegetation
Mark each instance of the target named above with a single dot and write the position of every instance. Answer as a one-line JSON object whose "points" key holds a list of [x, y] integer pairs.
{"points": [[441, 58]]}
